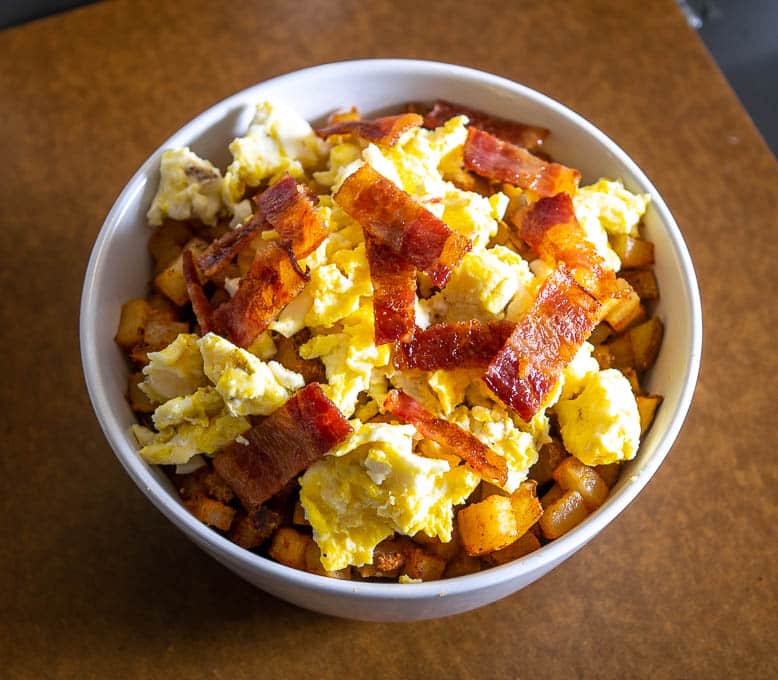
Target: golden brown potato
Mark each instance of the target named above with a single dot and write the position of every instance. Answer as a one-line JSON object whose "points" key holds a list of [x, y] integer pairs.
{"points": [[563, 514], [462, 565], [132, 323], [549, 456], [603, 356], [600, 334], [253, 529], [388, 559], [572, 474], [526, 506], [643, 281], [623, 312], [170, 280], [419, 564], [634, 253], [487, 526], [647, 407], [167, 241], [621, 351], [551, 496], [646, 340], [524, 545], [288, 547], [211, 512]]}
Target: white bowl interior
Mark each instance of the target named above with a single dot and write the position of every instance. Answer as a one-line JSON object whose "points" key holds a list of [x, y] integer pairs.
{"points": [[120, 268]]}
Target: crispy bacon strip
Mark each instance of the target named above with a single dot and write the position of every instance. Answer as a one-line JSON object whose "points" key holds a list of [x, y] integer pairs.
{"points": [[527, 136], [200, 303], [467, 344], [467, 446], [222, 250], [551, 229], [273, 281], [394, 293], [289, 208], [385, 131], [490, 157], [393, 218], [545, 340], [284, 444]]}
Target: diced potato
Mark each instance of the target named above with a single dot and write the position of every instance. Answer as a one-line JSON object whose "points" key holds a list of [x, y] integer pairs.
{"points": [[159, 333], [647, 407], [313, 563], [132, 323], [563, 515], [298, 515], [631, 375], [388, 559], [487, 489], [421, 565], [139, 400], [434, 546], [526, 506], [609, 473], [170, 280], [487, 526], [551, 496], [524, 545], [252, 530], [603, 356], [572, 474], [643, 281], [462, 565], [621, 351], [167, 241], [288, 547], [600, 334], [211, 512], [623, 312], [215, 485], [646, 339], [634, 253], [549, 456]]}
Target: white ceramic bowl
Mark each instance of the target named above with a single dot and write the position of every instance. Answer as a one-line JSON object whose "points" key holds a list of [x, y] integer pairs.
{"points": [[119, 269]]}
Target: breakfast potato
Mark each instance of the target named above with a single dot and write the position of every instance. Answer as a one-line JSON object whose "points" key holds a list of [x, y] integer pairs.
{"points": [[549, 457], [170, 280], [462, 565], [289, 547], [487, 526], [421, 565], [167, 241], [563, 514], [646, 339], [388, 559], [526, 506], [572, 474], [132, 323], [298, 515], [621, 352], [647, 407], [551, 496], [643, 282], [524, 545], [623, 312], [634, 253], [211, 512], [251, 530]]}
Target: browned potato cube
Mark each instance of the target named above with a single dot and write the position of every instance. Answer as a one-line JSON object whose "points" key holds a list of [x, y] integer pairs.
{"points": [[288, 547], [600, 334], [434, 546], [563, 515], [462, 565], [603, 356], [170, 280], [526, 506], [421, 565], [634, 253], [486, 489], [551, 496], [159, 333], [167, 241], [646, 339], [211, 512], [609, 473], [621, 351], [252, 530], [388, 559], [132, 323], [139, 401], [524, 545], [549, 456], [625, 311], [572, 474], [487, 526], [643, 281], [647, 409]]}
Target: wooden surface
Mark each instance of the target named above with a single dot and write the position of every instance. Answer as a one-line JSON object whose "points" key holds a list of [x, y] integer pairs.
{"points": [[96, 583]]}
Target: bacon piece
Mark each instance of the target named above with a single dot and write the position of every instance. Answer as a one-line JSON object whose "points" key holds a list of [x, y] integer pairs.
{"points": [[394, 293], [290, 209], [467, 344], [273, 281], [282, 446], [466, 445], [393, 218], [385, 131], [223, 249], [544, 341], [528, 136], [551, 229], [492, 158], [200, 304]]}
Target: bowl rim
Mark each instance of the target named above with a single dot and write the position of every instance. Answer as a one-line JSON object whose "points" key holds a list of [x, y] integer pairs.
{"points": [[552, 553]]}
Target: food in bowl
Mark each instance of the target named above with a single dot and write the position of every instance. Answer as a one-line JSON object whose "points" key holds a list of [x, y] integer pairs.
{"points": [[391, 348]]}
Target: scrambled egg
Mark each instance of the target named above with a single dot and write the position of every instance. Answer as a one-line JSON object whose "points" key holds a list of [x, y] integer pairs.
{"points": [[189, 187], [278, 140], [601, 425], [248, 385], [373, 485], [606, 207]]}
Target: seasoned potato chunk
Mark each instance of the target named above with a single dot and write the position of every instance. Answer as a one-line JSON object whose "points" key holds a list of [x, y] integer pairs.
{"points": [[487, 526], [132, 323], [211, 512], [289, 546], [647, 407], [563, 514], [634, 253], [646, 339], [524, 545], [572, 474], [170, 280]]}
